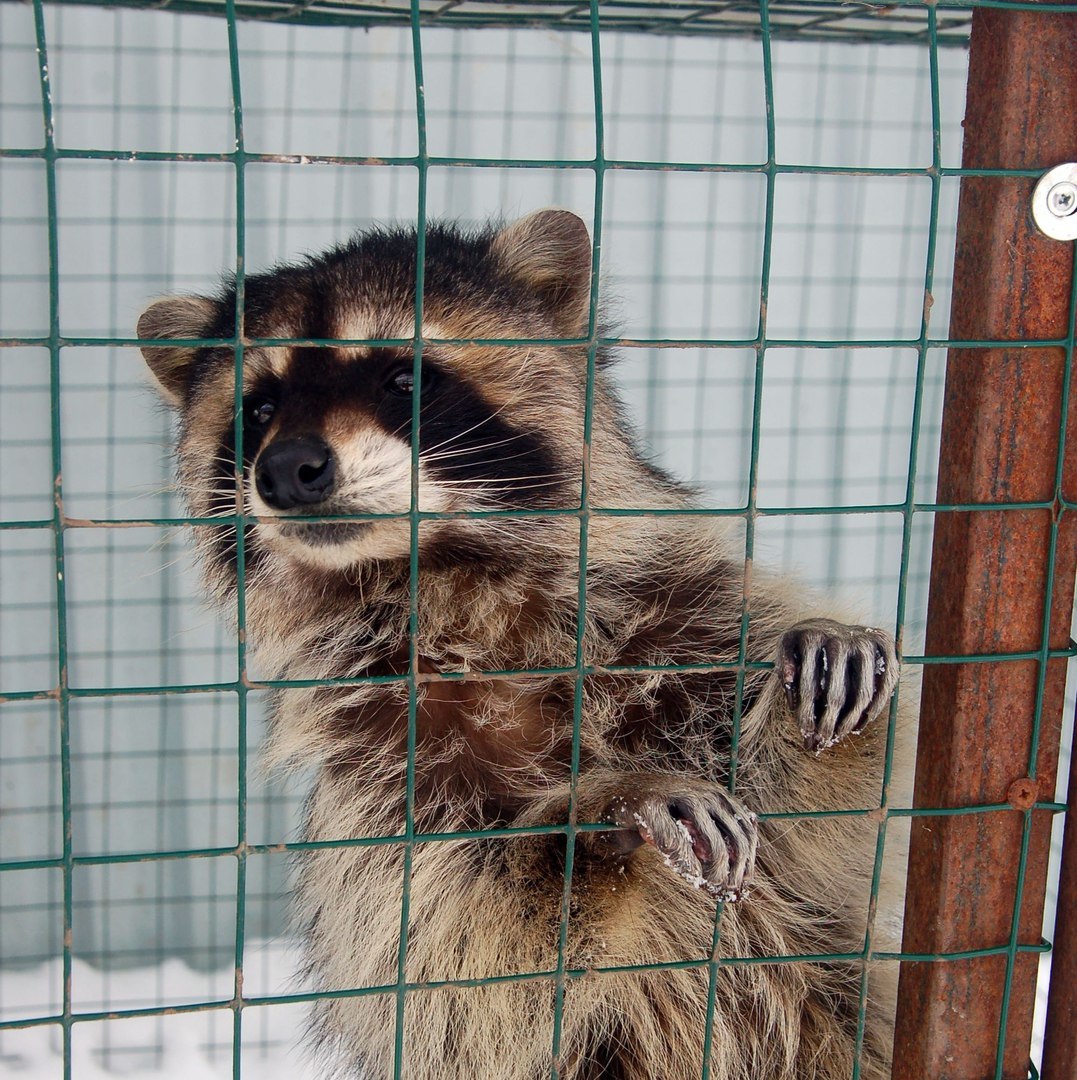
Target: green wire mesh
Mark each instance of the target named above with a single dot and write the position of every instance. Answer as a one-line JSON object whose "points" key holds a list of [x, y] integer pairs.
{"points": [[86, 855], [807, 20]]}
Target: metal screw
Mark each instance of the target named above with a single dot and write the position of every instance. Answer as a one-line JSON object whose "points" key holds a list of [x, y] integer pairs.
{"points": [[1062, 199]]}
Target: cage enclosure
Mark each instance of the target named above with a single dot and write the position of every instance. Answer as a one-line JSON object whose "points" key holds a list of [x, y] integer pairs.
{"points": [[773, 194]]}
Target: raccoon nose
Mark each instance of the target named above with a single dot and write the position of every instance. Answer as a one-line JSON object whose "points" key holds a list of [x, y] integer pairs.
{"points": [[295, 472]]}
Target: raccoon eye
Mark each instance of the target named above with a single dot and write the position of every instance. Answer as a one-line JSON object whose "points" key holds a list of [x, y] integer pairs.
{"points": [[401, 383], [258, 411]]}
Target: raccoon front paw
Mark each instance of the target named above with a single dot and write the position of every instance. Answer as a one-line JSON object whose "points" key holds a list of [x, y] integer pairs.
{"points": [[702, 833], [837, 678]]}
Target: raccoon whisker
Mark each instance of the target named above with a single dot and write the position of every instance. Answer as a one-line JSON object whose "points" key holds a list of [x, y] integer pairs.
{"points": [[435, 451], [467, 431], [220, 514], [480, 501], [148, 494], [160, 568], [562, 474], [496, 499], [231, 497], [224, 505], [164, 540], [476, 464], [505, 481], [425, 418], [426, 455], [559, 477], [483, 464], [498, 493]]}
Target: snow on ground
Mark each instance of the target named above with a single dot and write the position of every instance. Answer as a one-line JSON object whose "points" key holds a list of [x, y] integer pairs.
{"points": [[180, 1046]]}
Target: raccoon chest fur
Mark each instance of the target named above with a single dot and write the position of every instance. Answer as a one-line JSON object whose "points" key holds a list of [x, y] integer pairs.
{"points": [[538, 802]]}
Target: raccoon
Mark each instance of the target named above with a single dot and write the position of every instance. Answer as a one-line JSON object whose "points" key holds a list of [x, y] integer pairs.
{"points": [[614, 734]]}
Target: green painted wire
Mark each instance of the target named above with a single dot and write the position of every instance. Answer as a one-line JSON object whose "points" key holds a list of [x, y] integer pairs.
{"points": [[740, 344], [579, 682], [159, 855], [371, 680], [1061, 505], [751, 510], [907, 528], [521, 977], [415, 521], [67, 863], [241, 684], [804, 20]]}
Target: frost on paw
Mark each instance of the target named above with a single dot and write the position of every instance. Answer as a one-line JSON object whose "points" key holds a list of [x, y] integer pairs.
{"points": [[836, 678], [703, 835]]}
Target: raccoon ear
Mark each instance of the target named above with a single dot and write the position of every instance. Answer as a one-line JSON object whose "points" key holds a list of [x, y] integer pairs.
{"points": [[174, 317], [551, 251]]}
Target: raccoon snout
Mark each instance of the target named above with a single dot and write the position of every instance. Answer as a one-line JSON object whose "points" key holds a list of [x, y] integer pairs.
{"points": [[295, 472]]}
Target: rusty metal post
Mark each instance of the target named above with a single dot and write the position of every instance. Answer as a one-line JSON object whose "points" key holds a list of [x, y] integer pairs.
{"points": [[1060, 1038], [990, 573]]}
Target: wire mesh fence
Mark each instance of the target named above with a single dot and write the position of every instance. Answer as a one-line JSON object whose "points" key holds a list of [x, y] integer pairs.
{"points": [[771, 192]]}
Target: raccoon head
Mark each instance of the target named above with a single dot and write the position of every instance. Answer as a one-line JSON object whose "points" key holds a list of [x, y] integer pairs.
{"points": [[327, 431]]}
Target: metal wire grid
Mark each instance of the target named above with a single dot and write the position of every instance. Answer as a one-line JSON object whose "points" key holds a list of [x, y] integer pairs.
{"points": [[807, 20], [119, 917], [62, 698]]}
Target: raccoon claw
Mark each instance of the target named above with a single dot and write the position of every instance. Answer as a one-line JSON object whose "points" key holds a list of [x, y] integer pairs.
{"points": [[702, 833], [836, 678]]}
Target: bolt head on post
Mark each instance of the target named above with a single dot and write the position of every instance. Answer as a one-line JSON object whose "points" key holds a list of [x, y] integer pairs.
{"points": [[1054, 202], [1062, 199]]}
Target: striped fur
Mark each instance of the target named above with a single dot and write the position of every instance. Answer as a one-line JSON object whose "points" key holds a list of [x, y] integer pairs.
{"points": [[502, 427]]}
